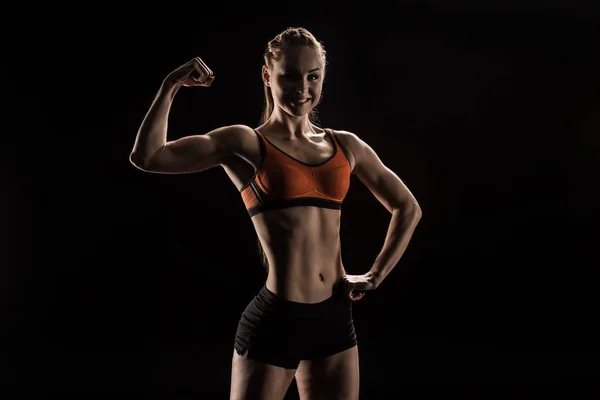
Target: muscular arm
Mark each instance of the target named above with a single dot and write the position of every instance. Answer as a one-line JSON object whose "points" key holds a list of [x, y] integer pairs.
{"points": [[393, 194], [153, 153], [152, 133]]}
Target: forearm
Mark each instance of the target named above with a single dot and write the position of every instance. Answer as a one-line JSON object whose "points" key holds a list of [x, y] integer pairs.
{"points": [[401, 228], [152, 133]]}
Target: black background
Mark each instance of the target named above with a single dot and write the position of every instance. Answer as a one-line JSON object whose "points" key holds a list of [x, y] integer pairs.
{"points": [[117, 281]]}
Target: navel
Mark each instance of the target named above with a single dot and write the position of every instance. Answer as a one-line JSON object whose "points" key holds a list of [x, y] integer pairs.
{"points": [[321, 277]]}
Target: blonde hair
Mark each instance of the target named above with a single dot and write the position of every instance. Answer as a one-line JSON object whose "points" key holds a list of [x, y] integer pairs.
{"points": [[273, 52]]}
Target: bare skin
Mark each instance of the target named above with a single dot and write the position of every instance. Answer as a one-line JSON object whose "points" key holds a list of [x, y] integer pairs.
{"points": [[253, 380], [302, 244], [303, 266], [335, 377]]}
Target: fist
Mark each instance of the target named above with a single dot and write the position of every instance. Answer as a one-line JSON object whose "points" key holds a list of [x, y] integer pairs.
{"points": [[193, 73]]}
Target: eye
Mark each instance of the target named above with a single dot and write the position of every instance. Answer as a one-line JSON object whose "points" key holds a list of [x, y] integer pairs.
{"points": [[313, 77]]}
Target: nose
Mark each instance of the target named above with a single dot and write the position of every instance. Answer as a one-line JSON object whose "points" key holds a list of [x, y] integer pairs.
{"points": [[301, 86]]}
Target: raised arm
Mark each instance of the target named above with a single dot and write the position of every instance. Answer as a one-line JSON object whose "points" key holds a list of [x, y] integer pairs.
{"points": [[153, 153]]}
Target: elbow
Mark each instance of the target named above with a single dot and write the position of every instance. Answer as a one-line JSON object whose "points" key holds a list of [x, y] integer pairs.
{"points": [[410, 210], [418, 213], [414, 213], [145, 160], [139, 161], [135, 159]]}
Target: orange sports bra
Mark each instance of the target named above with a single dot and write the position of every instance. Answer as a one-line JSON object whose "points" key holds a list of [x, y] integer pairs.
{"points": [[282, 181]]}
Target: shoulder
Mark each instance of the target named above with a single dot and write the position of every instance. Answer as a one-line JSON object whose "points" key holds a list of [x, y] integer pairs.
{"points": [[236, 131], [351, 141], [352, 145], [236, 137], [363, 155]]}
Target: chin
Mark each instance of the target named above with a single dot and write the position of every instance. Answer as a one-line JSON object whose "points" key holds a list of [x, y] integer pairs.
{"points": [[299, 112]]}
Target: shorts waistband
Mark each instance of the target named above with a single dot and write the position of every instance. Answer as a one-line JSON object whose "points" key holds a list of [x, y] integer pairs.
{"points": [[272, 298]]}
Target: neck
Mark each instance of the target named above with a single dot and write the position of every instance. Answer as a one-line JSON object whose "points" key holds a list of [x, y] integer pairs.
{"points": [[287, 125]]}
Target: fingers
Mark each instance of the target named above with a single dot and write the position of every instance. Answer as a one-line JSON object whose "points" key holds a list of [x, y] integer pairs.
{"points": [[353, 295], [351, 289], [348, 289], [356, 297], [203, 66], [200, 80], [208, 81], [199, 73]]}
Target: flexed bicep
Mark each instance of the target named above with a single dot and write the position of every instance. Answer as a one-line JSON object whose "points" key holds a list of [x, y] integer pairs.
{"points": [[197, 153]]}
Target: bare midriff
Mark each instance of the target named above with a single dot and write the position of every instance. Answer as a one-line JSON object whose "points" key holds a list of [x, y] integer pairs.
{"points": [[302, 245]]}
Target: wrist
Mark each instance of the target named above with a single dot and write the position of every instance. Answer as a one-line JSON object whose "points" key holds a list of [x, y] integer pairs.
{"points": [[375, 277], [170, 86]]}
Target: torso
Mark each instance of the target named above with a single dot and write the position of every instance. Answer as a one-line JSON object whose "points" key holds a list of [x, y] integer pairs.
{"points": [[302, 243]]}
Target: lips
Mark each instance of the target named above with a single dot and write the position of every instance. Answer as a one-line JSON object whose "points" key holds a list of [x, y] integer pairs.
{"points": [[301, 100]]}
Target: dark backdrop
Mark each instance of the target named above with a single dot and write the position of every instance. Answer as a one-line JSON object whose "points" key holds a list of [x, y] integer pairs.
{"points": [[119, 281]]}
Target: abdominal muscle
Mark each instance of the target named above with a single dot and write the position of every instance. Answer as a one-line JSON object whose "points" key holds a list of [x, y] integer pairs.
{"points": [[302, 245]]}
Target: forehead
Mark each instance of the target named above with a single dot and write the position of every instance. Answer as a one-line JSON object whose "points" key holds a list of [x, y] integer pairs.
{"points": [[301, 58]]}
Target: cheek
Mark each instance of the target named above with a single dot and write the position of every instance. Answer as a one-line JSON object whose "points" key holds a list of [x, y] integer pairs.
{"points": [[276, 90], [282, 85], [280, 95], [316, 90]]}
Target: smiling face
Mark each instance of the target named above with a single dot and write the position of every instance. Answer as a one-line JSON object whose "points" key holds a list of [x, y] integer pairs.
{"points": [[296, 80]]}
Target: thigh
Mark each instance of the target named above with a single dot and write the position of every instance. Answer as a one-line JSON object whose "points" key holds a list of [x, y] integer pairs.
{"points": [[253, 379], [333, 377]]}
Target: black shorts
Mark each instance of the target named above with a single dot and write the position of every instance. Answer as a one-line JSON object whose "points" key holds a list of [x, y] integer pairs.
{"points": [[281, 332]]}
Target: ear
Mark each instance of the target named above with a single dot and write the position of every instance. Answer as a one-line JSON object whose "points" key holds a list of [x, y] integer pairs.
{"points": [[266, 75]]}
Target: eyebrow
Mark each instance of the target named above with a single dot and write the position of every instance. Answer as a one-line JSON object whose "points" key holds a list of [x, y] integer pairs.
{"points": [[312, 70]]}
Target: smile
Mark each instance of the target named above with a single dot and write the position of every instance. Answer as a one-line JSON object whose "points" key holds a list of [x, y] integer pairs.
{"points": [[300, 101]]}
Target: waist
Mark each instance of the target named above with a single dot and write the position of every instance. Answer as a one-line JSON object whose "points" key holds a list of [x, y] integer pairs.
{"points": [[304, 284]]}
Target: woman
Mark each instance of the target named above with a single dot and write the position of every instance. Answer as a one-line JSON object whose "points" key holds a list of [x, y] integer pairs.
{"points": [[293, 176]]}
